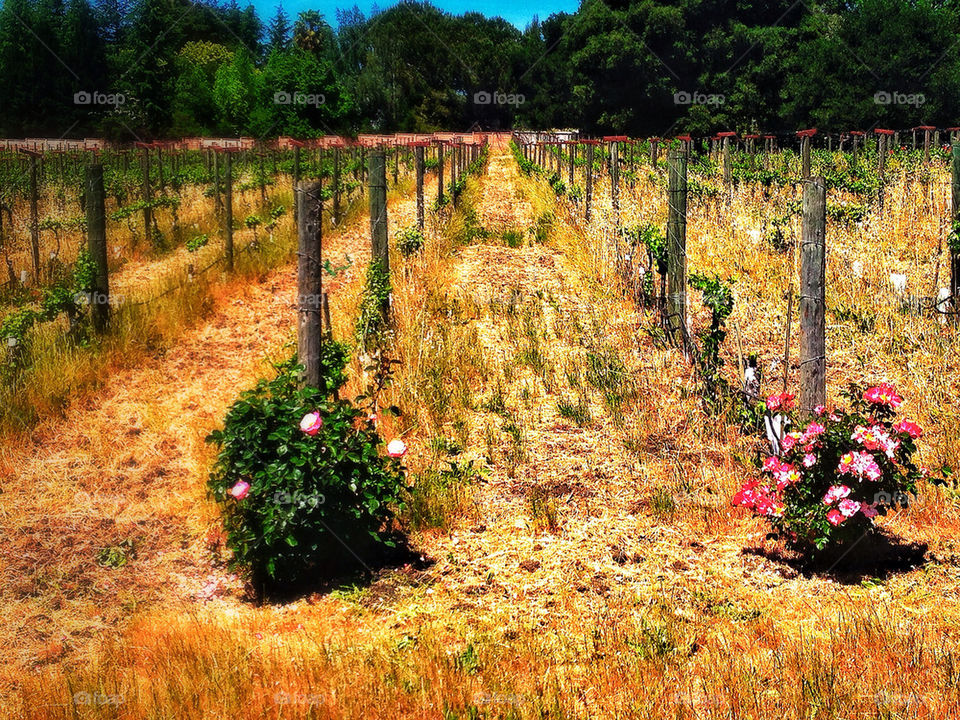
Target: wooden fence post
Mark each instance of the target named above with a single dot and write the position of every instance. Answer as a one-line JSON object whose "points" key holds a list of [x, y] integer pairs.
{"points": [[296, 184], [97, 247], [310, 280], [34, 219], [380, 249], [813, 361], [439, 172], [418, 158], [572, 149], [454, 162], [677, 243], [588, 170], [218, 201], [727, 168], [615, 181], [262, 179], [955, 251], [228, 215], [336, 186], [147, 210], [881, 167], [805, 156]]}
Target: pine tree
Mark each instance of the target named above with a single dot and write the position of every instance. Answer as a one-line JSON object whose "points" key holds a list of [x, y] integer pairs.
{"points": [[280, 31]]}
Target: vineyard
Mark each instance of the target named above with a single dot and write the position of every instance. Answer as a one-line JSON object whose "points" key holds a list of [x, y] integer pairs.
{"points": [[470, 426]]}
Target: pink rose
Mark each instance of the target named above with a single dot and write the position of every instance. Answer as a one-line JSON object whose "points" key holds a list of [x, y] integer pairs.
{"points": [[783, 401], [848, 507], [240, 490], [836, 492], [835, 517], [771, 464], [311, 423], [883, 394], [911, 429]]}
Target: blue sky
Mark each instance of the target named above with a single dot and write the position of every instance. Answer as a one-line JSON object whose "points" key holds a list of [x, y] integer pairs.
{"points": [[519, 13]]}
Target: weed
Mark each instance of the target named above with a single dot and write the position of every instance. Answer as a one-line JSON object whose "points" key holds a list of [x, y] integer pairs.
{"points": [[543, 509], [512, 238]]}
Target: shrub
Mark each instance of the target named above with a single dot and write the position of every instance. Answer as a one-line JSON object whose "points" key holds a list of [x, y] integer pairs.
{"points": [[841, 471], [718, 297], [372, 326], [409, 241], [302, 486], [195, 243]]}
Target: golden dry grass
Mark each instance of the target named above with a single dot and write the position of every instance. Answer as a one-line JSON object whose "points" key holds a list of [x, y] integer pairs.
{"points": [[597, 569]]}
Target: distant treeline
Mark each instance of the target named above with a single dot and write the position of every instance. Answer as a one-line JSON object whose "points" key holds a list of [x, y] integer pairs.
{"points": [[160, 68]]}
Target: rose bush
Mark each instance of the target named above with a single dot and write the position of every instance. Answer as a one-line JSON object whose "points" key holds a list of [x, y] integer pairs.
{"points": [[303, 485], [839, 472]]}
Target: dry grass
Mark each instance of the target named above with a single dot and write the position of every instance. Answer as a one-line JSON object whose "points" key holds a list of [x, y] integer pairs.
{"points": [[596, 570]]}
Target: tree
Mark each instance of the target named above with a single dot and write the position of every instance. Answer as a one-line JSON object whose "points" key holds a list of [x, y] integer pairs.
{"points": [[279, 32], [236, 89]]}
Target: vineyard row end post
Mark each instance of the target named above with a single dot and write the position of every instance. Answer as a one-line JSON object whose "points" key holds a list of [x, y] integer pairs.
{"points": [[677, 243], [228, 215], [418, 155], [97, 247], [310, 281], [380, 250], [954, 249], [813, 360]]}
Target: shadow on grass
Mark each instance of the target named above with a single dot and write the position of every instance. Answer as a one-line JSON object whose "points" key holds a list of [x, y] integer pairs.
{"points": [[373, 568], [877, 555]]}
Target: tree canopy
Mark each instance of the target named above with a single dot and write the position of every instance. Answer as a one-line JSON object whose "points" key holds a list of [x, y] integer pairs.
{"points": [[139, 69]]}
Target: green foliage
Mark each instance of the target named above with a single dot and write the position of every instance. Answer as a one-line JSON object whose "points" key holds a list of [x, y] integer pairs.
{"points": [[84, 272], [117, 555], [216, 70], [409, 241], [777, 235], [310, 497], [954, 238], [527, 167], [66, 296], [195, 243], [846, 213], [371, 327], [512, 238], [718, 297]]}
